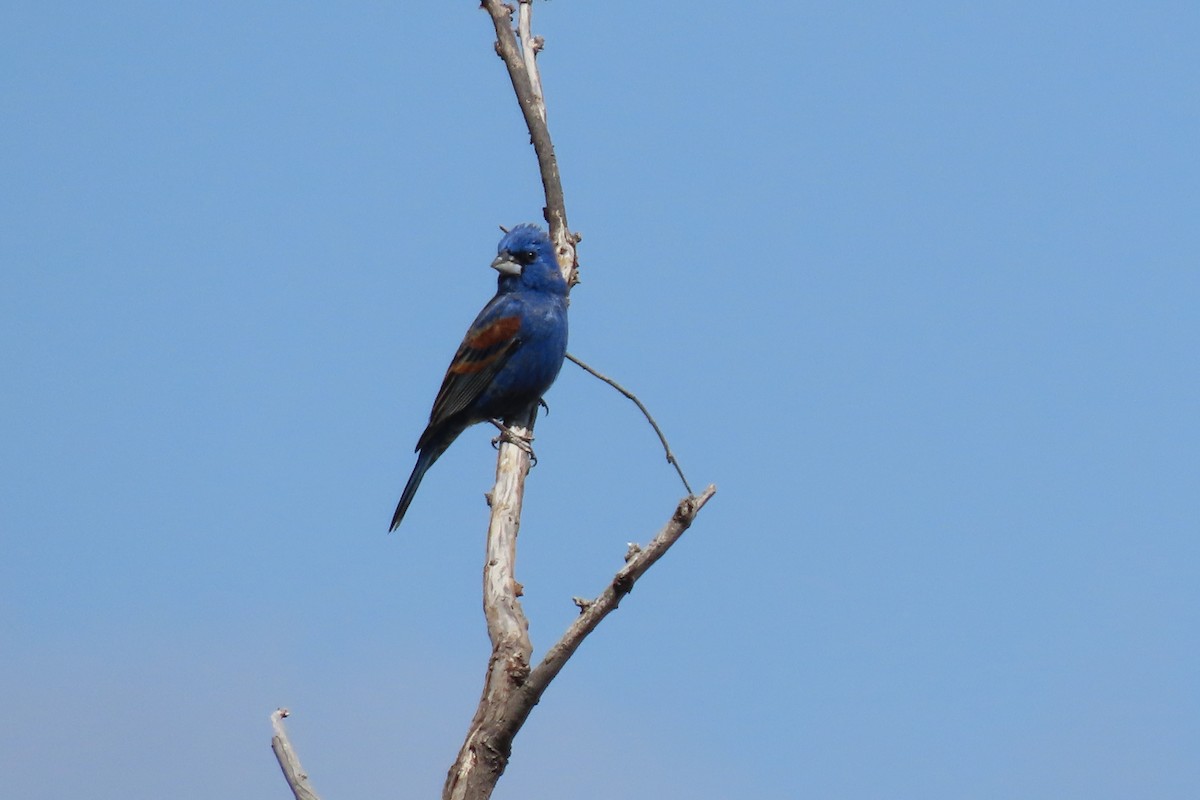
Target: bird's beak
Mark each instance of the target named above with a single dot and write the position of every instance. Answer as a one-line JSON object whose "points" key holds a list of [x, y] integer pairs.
{"points": [[505, 265]]}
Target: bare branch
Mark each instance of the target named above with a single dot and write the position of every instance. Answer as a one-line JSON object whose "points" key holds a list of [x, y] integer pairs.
{"points": [[592, 612], [645, 412], [530, 47], [289, 762], [523, 72], [511, 689], [488, 744], [484, 754]]}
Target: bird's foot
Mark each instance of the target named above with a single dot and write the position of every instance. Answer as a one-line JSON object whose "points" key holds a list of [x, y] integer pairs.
{"points": [[542, 403], [510, 435]]}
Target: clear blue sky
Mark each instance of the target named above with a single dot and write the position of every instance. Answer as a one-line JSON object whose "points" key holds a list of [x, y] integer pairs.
{"points": [[915, 284]]}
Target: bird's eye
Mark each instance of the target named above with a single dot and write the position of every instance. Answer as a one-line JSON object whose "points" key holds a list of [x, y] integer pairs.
{"points": [[528, 257]]}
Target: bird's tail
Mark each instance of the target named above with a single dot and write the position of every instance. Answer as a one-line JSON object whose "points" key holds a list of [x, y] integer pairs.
{"points": [[424, 462]]}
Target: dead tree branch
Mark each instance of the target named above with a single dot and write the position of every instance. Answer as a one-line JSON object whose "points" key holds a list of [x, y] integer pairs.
{"points": [[519, 49], [485, 752], [591, 612], [511, 688], [486, 749], [289, 762]]}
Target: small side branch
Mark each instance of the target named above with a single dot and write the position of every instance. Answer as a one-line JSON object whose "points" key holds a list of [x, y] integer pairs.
{"points": [[638, 560], [645, 412], [289, 762], [512, 689]]}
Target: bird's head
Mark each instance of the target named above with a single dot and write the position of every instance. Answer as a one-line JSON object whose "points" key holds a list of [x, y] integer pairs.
{"points": [[525, 256]]}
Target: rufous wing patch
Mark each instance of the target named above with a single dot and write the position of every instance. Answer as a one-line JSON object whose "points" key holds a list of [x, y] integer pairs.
{"points": [[499, 331], [485, 346]]}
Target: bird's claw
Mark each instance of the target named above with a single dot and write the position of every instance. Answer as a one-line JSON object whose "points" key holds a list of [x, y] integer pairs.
{"points": [[542, 403], [520, 440]]}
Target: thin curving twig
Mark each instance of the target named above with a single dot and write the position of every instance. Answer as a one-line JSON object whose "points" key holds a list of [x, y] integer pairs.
{"points": [[670, 456]]}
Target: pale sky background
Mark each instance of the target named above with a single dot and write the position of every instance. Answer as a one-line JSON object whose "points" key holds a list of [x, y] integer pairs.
{"points": [[916, 284]]}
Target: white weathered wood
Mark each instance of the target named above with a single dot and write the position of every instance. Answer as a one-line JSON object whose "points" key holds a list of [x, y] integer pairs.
{"points": [[289, 762]]}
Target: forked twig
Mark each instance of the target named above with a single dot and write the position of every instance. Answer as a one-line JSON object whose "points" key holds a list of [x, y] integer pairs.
{"points": [[645, 412]]}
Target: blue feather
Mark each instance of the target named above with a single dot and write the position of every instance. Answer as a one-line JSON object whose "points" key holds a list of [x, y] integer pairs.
{"points": [[510, 355]]}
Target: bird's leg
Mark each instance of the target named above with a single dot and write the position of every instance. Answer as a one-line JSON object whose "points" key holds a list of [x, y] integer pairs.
{"points": [[510, 435]]}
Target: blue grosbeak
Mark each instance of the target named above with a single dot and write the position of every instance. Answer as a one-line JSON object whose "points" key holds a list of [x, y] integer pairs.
{"points": [[510, 355]]}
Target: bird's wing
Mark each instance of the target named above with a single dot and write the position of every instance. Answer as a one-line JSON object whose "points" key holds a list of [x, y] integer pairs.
{"points": [[490, 342]]}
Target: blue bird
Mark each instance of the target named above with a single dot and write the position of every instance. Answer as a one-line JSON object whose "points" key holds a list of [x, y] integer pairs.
{"points": [[510, 355]]}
